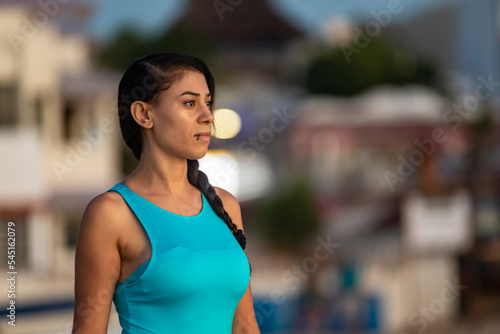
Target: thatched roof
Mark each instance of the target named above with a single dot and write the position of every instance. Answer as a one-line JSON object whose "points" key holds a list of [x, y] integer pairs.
{"points": [[251, 20]]}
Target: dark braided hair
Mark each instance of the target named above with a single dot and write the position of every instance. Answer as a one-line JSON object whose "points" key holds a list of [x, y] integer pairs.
{"points": [[199, 179], [145, 78]]}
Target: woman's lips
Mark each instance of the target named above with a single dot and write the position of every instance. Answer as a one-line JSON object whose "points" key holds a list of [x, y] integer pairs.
{"points": [[203, 137]]}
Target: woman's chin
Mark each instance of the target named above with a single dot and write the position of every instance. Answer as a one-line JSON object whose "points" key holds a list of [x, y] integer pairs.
{"points": [[197, 155]]}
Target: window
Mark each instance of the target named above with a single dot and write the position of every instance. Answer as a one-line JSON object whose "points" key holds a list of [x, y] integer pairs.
{"points": [[69, 120], [38, 108], [72, 226], [8, 105]]}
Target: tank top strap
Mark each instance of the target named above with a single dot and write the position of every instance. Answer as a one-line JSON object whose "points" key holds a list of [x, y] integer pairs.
{"points": [[142, 210]]}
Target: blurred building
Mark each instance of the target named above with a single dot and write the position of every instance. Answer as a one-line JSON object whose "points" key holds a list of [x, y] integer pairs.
{"points": [[365, 156], [248, 37], [394, 168], [464, 38], [409, 180], [255, 53], [461, 37], [58, 145]]}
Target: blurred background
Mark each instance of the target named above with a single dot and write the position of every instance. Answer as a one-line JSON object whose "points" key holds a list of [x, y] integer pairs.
{"points": [[360, 137]]}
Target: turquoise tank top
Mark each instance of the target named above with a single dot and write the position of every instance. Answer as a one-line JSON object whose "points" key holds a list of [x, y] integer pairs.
{"points": [[194, 279]]}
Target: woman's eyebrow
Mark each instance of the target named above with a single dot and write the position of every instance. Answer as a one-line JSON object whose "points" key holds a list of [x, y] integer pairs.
{"points": [[192, 93]]}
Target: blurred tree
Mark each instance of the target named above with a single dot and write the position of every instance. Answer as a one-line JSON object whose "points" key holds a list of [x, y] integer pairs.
{"points": [[340, 71], [484, 123], [481, 128], [129, 44], [288, 217], [185, 41], [123, 48]]}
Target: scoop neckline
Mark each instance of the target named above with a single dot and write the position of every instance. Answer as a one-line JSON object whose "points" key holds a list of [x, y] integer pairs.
{"points": [[203, 201]]}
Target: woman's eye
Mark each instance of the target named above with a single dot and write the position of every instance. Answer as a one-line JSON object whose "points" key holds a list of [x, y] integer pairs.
{"points": [[209, 103], [189, 103]]}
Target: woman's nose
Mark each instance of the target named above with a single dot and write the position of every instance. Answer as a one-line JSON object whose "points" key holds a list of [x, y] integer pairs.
{"points": [[207, 115]]}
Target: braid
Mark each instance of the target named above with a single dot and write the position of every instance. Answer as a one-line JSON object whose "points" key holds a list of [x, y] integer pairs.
{"points": [[200, 180]]}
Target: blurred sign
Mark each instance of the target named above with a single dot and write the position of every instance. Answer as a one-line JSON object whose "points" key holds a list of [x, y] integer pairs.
{"points": [[437, 224], [245, 176], [22, 176]]}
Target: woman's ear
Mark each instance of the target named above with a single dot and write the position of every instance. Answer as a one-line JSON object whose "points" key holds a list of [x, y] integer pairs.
{"points": [[141, 114]]}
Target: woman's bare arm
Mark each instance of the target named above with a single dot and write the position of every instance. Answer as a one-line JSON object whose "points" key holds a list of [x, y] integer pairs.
{"points": [[97, 265], [244, 321]]}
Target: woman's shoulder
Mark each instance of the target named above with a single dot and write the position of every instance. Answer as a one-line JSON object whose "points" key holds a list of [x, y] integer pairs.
{"points": [[106, 202], [224, 194], [231, 205], [104, 210]]}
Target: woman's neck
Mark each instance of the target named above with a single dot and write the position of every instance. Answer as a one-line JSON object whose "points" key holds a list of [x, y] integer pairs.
{"points": [[161, 174]]}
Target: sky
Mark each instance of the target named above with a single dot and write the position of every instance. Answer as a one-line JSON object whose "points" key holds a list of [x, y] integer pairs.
{"points": [[310, 15]]}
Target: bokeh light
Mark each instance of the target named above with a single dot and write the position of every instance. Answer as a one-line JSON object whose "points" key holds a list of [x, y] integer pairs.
{"points": [[227, 122]]}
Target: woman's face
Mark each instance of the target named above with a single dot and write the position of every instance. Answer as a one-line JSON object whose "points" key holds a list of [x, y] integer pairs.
{"points": [[180, 114]]}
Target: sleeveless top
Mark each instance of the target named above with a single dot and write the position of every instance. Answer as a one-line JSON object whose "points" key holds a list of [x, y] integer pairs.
{"points": [[194, 279]]}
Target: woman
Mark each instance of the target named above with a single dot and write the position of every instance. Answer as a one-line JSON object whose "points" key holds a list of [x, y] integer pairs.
{"points": [[164, 245]]}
